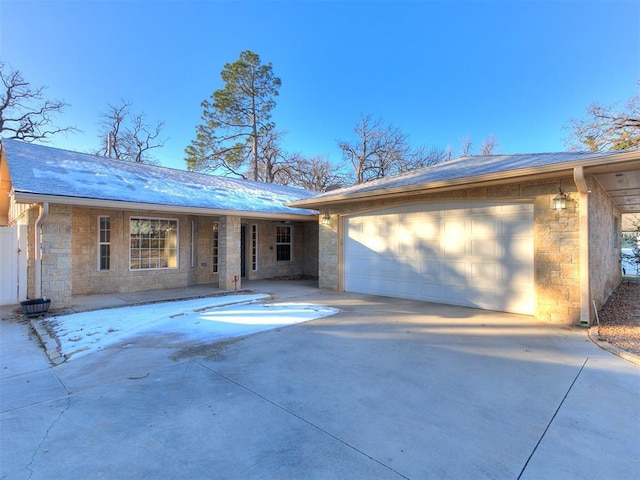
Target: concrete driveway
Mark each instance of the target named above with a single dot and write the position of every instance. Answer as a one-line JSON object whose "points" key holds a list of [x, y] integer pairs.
{"points": [[386, 389]]}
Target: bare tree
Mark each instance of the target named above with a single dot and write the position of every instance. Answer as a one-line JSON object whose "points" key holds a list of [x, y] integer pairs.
{"points": [[605, 128], [467, 143], [315, 173], [126, 135], [272, 159], [24, 112], [487, 148], [381, 150], [489, 145], [424, 157]]}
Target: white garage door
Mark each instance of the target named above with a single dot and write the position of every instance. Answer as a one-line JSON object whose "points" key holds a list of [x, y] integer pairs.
{"points": [[471, 254]]}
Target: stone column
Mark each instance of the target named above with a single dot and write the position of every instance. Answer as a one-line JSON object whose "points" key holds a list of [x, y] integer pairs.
{"points": [[57, 256], [229, 253], [329, 254]]}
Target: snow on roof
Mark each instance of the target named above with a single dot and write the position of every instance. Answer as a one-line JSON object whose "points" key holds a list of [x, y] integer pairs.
{"points": [[461, 170], [46, 170]]}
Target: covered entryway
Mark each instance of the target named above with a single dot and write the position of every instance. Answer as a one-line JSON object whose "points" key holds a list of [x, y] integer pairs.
{"points": [[476, 254], [13, 264]]}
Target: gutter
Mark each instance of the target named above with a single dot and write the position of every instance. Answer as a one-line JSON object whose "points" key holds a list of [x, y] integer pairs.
{"points": [[594, 165], [29, 197], [585, 284], [44, 212]]}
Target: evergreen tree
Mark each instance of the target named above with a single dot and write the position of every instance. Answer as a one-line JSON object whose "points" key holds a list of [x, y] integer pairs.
{"points": [[236, 120]]}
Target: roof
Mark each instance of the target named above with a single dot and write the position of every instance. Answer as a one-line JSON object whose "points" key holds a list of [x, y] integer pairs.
{"points": [[474, 170], [42, 173]]}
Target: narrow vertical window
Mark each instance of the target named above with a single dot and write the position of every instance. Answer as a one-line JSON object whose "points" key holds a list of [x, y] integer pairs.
{"points": [[283, 243], [104, 243], [192, 252], [254, 247], [215, 247]]}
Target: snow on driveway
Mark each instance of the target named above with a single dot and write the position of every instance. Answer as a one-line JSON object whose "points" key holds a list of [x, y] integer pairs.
{"points": [[199, 320]]}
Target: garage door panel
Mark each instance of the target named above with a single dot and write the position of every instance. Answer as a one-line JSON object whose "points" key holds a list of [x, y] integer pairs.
{"points": [[486, 247], [464, 254]]}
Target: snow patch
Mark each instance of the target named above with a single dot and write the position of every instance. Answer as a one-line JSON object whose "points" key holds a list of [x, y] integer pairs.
{"points": [[198, 321]]}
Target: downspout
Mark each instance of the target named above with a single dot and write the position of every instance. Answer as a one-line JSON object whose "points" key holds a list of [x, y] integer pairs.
{"points": [[585, 287], [44, 211]]}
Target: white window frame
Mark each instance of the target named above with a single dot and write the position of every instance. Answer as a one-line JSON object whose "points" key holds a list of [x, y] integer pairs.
{"points": [[215, 244], [102, 243], [192, 247], [254, 247], [177, 247], [289, 243]]}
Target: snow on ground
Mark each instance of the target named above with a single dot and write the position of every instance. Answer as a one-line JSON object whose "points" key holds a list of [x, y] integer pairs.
{"points": [[628, 265], [199, 320]]}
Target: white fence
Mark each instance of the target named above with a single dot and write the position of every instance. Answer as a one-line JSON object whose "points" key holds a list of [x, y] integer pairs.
{"points": [[13, 264]]}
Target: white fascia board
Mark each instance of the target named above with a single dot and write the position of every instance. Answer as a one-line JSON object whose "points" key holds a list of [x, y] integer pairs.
{"points": [[25, 197], [627, 160]]}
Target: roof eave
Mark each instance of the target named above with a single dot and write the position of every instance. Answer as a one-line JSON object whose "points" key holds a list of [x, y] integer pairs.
{"points": [[593, 165], [30, 197]]}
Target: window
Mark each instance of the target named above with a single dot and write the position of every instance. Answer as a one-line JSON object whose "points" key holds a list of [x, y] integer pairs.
{"points": [[104, 243], [215, 248], [154, 243], [254, 247], [283, 243], [192, 247]]}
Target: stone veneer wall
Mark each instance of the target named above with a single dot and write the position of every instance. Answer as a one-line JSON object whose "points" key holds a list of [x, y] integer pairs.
{"points": [[556, 241], [304, 256], [229, 252], [87, 279], [57, 255], [557, 256], [310, 249], [604, 244], [70, 252]]}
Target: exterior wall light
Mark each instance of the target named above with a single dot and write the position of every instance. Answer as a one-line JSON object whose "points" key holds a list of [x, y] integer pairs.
{"points": [[560, 200], [325, 219]]}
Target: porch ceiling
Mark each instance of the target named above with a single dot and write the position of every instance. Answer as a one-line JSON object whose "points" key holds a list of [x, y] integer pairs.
{"points": [[623, 187]]}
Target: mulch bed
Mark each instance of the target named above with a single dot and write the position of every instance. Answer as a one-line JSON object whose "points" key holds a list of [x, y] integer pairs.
{"points": [[620, 318]]}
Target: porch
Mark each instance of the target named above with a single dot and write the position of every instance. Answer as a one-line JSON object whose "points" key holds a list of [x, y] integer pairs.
{"points": [[81, 303]]}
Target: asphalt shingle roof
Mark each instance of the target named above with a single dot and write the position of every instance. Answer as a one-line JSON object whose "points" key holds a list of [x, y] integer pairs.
{"points": [[46, 170], [464, 169]]}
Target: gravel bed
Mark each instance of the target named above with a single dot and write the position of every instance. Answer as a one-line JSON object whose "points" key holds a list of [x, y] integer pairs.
{"points": [[620, 318]]}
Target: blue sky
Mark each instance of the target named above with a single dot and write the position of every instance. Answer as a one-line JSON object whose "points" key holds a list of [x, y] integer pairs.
{"points": [[438, 70]]}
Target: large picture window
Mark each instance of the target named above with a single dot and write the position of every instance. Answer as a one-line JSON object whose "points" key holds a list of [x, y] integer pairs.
{"points": [[283, 243], [154, 243]]}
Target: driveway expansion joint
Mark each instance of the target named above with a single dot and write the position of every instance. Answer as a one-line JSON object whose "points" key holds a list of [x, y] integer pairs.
{"points": [[302, 419]]}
